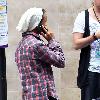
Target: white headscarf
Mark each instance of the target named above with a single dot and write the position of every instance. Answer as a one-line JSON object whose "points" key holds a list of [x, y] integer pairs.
{"points": [[30, 19]]}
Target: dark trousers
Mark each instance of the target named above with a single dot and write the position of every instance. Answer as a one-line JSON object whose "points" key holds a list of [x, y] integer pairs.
{"points": [[3, 82], [92, 90], [85, 94], [51, 98]]}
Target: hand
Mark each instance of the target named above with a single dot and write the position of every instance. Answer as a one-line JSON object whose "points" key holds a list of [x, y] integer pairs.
{"points": [[97, 34], [49, 35]]}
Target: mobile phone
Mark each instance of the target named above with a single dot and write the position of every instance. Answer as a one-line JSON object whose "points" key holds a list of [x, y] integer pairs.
{"points": [[40, 29]]}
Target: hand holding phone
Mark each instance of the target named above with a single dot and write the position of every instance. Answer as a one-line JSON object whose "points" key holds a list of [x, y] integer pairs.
{"points": [[40, 29], [48, 36]]}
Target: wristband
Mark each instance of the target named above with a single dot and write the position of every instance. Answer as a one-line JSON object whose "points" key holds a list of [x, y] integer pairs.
{"points": [[95, 37]]}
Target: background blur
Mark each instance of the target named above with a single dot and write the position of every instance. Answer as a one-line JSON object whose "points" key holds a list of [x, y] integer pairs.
{"points": [[61, 16]]}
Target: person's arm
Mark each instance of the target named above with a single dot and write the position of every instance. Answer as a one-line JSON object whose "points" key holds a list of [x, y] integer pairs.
{"points": [[80, 42], [51, 53], [78, 32]]}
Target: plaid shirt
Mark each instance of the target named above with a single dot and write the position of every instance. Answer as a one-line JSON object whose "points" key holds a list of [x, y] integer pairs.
{"points": [[34, 60]]}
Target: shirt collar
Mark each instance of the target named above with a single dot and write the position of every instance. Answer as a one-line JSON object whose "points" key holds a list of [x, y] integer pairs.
{"points": [[36, 35]]}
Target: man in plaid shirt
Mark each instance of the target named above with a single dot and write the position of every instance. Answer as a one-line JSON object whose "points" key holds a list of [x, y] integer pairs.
{"points": [[34, 59]]}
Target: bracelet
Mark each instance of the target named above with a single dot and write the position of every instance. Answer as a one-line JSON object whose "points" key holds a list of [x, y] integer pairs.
{"points": [[95, 37]]}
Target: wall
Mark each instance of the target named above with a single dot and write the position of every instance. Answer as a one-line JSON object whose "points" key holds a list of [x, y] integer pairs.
{"points": [[61, 16]]}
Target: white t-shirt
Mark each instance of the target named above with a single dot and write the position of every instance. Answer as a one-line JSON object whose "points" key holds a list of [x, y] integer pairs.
{"points": [[79, 26]]}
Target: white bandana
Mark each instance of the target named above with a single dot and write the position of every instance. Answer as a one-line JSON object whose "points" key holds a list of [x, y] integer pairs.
{"points": [[30, 19]]}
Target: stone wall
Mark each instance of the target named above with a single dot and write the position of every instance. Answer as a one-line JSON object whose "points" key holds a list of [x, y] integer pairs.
{"points": [[61, 16]]}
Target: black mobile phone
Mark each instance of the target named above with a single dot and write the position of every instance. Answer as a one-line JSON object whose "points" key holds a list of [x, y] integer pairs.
{"points": [[40, 29]]}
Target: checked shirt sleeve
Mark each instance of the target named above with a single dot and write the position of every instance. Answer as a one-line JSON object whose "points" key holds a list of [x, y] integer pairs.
{"points": [[51, 53]]}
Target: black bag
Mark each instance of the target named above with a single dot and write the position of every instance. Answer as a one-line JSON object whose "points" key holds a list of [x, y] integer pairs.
{"points": [[82, 78]]}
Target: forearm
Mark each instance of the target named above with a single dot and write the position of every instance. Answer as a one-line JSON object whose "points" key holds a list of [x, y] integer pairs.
{"points": [[56, 48], [54, 45], [83, 42], [51, 54]]}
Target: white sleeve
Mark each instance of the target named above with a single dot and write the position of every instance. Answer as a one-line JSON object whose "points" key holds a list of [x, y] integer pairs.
{"points": [[79, 23]]}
